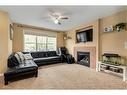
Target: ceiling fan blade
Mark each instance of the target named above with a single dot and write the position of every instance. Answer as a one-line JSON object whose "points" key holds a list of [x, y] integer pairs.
{"points": [[64, 18]]}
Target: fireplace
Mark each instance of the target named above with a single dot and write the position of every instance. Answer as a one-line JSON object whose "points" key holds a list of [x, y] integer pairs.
{"points": [[92, 53], [83, 58]]}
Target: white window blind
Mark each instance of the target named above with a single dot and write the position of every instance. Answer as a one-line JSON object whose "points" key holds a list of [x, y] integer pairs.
{"points": [[39, 43]]}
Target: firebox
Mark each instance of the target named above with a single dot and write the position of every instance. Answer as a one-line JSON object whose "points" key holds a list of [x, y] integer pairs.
{"points": [[83, 58]]}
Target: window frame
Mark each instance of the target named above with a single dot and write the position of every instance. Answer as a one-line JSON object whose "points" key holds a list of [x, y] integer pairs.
{"points": [[50, 43], [37, 42]]}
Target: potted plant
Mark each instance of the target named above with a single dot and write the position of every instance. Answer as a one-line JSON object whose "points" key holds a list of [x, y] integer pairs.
{"points": [[119, 27]]}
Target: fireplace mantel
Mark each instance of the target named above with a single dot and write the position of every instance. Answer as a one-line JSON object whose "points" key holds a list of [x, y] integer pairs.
{"points": [[92, 51]]}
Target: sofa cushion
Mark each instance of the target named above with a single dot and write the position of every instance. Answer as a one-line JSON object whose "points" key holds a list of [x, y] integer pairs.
{"points": [[21, 68], [46, 59], [51, 53], [38, 54], [28, 56], [27, 64], [43, 54]]}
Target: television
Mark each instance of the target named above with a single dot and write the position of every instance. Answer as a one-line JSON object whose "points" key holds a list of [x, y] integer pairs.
{"points": [[84, 36]]}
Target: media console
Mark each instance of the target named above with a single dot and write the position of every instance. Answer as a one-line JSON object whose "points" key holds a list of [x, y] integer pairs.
{"points": [[114, 69]]}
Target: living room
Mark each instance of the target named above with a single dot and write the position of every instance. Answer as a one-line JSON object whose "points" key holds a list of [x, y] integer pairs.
{"points": [[46, 31]]}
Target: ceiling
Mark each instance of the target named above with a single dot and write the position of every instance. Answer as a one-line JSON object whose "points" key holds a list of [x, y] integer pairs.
{"points": [[38, 15]]}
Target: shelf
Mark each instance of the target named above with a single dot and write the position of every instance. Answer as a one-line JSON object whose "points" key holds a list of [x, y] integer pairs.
{"points": [[112, 72], [102, 33], [110, 68], [110, 55], [119, 66]]}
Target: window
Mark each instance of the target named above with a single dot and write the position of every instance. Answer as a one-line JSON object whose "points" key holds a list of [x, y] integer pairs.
{"points": [[30, 43], [51, 43], [39, 43]]}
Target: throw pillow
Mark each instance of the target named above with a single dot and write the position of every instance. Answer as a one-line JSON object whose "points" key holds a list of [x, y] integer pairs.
{"points": [[28, 56], [20, 57]]}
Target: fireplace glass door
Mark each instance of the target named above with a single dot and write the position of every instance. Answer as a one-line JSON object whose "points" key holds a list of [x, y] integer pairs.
{"points": [[83, 58]]}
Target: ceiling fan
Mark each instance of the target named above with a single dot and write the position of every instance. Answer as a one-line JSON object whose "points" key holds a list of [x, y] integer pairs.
{"points": [[57, 17]]}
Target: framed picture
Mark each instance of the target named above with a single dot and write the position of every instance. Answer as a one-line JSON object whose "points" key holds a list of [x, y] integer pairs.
{"points": [[11, 32]]}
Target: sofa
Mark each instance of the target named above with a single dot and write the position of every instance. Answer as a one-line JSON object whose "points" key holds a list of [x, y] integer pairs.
{"points": [[18, 70], [46, 57]]}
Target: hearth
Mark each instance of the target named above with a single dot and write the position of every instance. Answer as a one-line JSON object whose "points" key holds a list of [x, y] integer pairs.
{"points": [[83, 58]]}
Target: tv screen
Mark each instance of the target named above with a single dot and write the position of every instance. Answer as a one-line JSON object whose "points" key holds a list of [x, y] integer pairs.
{"points": [[84, 36]]}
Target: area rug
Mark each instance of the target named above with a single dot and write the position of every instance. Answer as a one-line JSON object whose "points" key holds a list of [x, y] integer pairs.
{"points": [[68, 76]]}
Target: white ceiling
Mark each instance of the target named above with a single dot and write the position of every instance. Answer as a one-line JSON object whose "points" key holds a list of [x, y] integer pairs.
{"points": [[37, 15]]}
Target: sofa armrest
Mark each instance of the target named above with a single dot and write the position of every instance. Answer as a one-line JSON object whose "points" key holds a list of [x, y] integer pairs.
{"points": [[61, 57], [12, 61]]}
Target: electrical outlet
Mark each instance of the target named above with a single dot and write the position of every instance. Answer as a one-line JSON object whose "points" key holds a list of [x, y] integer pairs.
{"points": [[125, 45]]}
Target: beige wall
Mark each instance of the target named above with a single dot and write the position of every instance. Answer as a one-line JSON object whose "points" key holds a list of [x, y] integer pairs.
{"points": [[105, 42], [60, 40], [71, 43], [5, 42], [18, 42], [113, 42]]}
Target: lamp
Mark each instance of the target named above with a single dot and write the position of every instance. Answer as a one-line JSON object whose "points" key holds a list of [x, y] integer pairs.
{"points": [[66, 37]]}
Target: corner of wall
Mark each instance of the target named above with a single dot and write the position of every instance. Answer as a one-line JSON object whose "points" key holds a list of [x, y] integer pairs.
{"points": [[4, 40]]}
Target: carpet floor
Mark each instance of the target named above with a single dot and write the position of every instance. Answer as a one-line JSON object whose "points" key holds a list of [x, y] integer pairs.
{"points": [[67, 76]]}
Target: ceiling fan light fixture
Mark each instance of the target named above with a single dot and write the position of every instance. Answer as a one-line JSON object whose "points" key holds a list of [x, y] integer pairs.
{"points": [[56, 21], [57, 18]]}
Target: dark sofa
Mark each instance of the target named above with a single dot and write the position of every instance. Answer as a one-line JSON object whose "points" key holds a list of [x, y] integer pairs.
{"points": [[18, 70], [29, 67], [46, 57]]}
